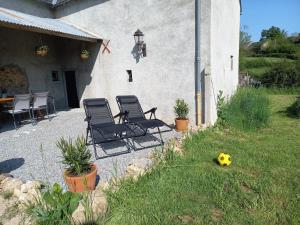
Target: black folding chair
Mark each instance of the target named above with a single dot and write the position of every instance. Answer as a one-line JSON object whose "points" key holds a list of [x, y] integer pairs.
{"points": [[130, 106], [102, 127]]}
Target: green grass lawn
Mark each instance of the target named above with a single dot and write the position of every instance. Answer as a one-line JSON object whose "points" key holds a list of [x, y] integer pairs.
{"points": [[258, 66], [262, 185], [268, 59]]}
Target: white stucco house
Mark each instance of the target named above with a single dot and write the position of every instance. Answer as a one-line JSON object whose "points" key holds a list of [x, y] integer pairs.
{"points": [[192, 51]]}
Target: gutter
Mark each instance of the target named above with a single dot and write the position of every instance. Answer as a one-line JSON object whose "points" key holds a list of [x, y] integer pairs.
{"points": [[241, 7], [198, 64]]}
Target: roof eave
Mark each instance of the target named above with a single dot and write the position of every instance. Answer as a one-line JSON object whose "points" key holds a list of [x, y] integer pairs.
{"points": [[43, 31]]}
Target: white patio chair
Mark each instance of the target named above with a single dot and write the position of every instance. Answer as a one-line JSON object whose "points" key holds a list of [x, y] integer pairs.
{"points": [[40, 102], [21, 105]]}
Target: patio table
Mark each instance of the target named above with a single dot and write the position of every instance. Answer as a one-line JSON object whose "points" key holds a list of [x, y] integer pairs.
{"points": [[6, 100]]}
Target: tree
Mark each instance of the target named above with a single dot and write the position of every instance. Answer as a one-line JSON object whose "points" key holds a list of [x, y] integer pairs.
{"points": [[273, 33], [245, 40]]}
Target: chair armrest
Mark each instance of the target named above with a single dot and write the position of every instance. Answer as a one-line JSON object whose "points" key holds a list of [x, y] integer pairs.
{"points": [[121, 114], [153, 110]]}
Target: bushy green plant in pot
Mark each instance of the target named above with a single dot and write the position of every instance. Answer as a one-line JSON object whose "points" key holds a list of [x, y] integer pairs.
{"points": [[181, 110], [42, 50], [84, 54], [80, 174]]}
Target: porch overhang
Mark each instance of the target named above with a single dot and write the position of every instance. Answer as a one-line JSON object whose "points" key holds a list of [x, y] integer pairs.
{"points": [[55, 27]]}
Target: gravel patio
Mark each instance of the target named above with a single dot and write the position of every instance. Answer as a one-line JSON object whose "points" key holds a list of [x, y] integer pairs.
{"points": [[30, 153]]}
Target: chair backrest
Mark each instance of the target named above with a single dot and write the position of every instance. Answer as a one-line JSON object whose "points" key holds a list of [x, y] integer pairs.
{"points": [[22, 102], [40, 99], [131, 104], [98, 110]]}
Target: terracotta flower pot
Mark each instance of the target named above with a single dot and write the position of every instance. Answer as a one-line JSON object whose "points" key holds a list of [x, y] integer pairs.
{"points": [[181, 124], [82, 183]]}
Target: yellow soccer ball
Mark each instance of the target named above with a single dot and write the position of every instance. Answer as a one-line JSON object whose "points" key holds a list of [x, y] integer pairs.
{"points": [[224, 159]]}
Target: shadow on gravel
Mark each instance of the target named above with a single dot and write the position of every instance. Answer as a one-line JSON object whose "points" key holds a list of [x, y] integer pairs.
{"points": [[11, 164]]}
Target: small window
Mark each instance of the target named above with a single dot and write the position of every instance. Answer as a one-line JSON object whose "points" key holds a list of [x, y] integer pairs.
{"points": [[231, 62], [55, 76]]}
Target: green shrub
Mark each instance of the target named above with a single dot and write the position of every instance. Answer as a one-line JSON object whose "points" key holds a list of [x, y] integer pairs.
{"points": [[221, 109], [284, 74], [256, 63], [292, 56], [181, 109], [76, 156], [248, 109], [53, 207], [294, 109]]}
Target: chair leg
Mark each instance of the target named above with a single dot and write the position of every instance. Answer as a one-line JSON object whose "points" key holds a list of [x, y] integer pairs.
{"points": [[30, 116], [47, 112], [14, 119], [87, 136], [94, 145], [54, 108], [33, 118], [161, 139]]}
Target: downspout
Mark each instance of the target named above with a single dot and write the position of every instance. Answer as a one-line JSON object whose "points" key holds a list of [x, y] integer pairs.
{"points": [[197, 63]]}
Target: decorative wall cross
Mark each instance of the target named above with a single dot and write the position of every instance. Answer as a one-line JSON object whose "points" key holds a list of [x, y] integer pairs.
{"points": [[105, 46]]}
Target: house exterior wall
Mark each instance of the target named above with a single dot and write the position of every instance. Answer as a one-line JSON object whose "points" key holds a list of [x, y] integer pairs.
{"points": [[224, 26], [167, 73]]}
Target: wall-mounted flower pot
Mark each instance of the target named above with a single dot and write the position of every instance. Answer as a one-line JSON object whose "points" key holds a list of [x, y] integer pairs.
{"points": [[84, 56], [82, 183], [42, 50], [181, 124]]}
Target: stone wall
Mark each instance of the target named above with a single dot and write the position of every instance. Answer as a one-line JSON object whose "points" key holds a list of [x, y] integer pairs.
{"points": [[13, 79]]}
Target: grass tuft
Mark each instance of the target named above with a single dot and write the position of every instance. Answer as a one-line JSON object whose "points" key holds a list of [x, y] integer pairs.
{"points": [[294, 109], [248, 109], [7, 195]]}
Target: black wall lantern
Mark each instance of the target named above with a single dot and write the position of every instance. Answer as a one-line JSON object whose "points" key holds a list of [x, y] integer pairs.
{"points": [[139, 41]]}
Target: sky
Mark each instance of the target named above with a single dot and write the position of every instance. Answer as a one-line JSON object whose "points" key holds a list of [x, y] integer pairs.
{"points": [[262, 14]]}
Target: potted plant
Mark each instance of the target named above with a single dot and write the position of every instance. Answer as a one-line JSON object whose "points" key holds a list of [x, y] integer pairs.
{"points": [[84, 54], [181, 110], [42, 50], [80, 174]]}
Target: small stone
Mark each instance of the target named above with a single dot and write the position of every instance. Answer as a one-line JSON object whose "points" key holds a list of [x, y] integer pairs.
{"points": [[17, 192], [98, 204], [5, 180], [24, 188], [31, 197], [3, 176], [103, 185], [11, 184], [134, 172], [78, 215], [138, 167], [33, 185]]}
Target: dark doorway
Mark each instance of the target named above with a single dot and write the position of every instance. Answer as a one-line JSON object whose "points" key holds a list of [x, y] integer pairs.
{"points": [[73, 101]]}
